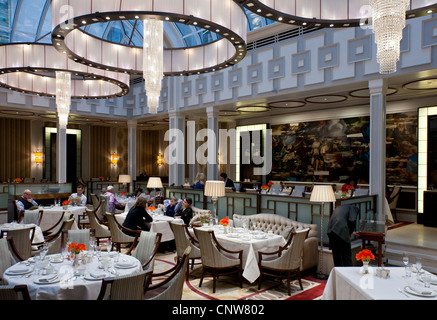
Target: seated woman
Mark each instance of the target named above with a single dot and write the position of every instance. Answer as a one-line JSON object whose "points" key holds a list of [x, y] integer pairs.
{"points": [[200, 181], [185, 212], [137, 217], [171, 209], [138, 193], [149, 195]]}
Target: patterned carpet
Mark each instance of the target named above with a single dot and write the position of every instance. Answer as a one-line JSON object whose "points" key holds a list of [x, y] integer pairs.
{"points": [[227, 287]]}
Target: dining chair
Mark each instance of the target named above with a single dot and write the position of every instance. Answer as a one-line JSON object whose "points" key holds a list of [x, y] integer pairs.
{"points": [[31, 217], [145, 248], [184, 239], [14, 292], [102, 229], [129, 287], [54, 242], [217, 260], [285, 262], [94, 201], [172, 287], [23, 239], [6, 257], [106, 206], [58, 225], [77, 236], [117, 235]]}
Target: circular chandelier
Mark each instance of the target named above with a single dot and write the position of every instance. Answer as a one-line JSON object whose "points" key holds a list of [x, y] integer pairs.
{"points": [[387, 17], [39, 69], [223, 17], [31, 68]]}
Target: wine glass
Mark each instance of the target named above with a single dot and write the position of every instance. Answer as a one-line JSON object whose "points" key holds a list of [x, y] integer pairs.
{"points": [[44, 250], [108, 246], [244, 224], [405, 261], [418, 265]]}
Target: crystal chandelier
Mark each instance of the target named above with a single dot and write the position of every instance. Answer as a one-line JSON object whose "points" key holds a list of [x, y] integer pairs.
{"points": [[63, 96], [153, 65], [388, 19]]}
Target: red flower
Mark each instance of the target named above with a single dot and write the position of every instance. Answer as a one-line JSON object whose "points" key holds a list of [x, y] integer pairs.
{"points": [[66, 202], [224, 221], [365, 255], [270, 183], [76, 248]]}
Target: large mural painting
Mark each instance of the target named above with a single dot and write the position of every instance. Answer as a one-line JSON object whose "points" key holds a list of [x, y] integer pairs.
{"points": [[334, 150]]}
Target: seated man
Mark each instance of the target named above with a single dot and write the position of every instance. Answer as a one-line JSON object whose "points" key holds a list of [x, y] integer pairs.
{"points": [[228, 182], [149, 195], [113, 203], [26, 202], [78, 198], [172, 207]]}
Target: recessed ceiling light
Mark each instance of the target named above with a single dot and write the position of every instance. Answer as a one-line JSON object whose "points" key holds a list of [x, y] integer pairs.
{"points": [[83, 21]]}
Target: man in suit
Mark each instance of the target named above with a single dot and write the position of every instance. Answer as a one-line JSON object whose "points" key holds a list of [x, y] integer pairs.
{"points": [[341, 227], [228, 182]]}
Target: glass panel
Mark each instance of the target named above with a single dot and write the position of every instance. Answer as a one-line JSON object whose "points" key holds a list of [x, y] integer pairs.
{"points": [[115, 33], [30, 16]]}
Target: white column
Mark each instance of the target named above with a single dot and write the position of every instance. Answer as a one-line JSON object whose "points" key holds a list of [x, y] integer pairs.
{"points": [[132, 152], [212, 166], [61, 153], [377, 172], [175, 153]]}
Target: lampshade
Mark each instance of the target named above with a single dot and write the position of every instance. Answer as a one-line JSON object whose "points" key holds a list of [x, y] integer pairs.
{"points": [[38, 157], [124, 178], [322, 193], [214, 188], [154, 182]]}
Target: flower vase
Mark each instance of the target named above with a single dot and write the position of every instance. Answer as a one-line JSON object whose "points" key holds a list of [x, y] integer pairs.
{"points": [[365, 268], [65, 207], [225, 229]]}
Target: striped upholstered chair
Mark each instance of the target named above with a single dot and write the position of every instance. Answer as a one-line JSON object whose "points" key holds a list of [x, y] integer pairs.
{"points": [[6, 258], [285, 262], [129, 287], [145, 248], [171, 288], [96, 223], [216, 259], [11, 292], [117, 235], [23, 239]]}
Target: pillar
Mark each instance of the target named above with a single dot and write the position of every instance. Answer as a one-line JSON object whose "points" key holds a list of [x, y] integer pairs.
{"points": [[132, 152], [175, 153], [377, 170], [61, 153], [212, 166]]}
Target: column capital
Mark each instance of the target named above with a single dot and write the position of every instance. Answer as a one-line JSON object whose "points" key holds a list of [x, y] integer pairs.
{"points": [[378, 86], [212, 111]]}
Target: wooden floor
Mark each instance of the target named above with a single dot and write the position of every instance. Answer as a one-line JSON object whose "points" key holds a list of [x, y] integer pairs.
{"points": [[417, 241]]}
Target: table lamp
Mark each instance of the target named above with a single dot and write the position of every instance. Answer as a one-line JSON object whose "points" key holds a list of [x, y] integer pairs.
{"points": [[214, 189], [124, 179], [154, 183], [322, 193]]}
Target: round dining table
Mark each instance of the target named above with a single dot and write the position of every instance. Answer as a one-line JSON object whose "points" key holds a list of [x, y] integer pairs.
{"points": [[55, 278]]}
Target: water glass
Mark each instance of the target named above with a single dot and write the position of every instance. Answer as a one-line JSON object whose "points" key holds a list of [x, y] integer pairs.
{"points": [[408, 270], [108, 246], [426, 278]]}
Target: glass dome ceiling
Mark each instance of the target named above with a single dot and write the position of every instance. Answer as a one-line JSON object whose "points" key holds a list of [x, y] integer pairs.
{"points": [[30, 21]]}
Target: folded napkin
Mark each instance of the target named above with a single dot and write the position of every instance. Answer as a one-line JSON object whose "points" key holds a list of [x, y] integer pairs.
{"points": [[48, 278], [418, 288], [124, 263], [18, 270]]}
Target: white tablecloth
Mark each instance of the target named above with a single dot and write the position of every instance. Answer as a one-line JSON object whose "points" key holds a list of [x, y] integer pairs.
{"points": [[68, 288], [159, 225], [347, 283], [52, 215], [250, 248]]}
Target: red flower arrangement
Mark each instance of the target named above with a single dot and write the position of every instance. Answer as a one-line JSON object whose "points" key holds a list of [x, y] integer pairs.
{"points": [[270, 184], [265, 187], [123, 193], [66, 203], [365, 255], [101, 178], [75, 249], [18, 180], [151, 208], [224, 221]]}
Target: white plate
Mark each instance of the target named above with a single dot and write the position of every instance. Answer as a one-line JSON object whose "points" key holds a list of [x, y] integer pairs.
{"points": [[433, 279], [410, 291], [233, 235], [56, 259], [23, 270], [91, 278], [55, 280], [125, 265], [260, 237]]}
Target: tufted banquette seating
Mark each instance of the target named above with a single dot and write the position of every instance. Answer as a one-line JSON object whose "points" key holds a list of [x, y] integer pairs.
{"points": [[280, 225]]}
